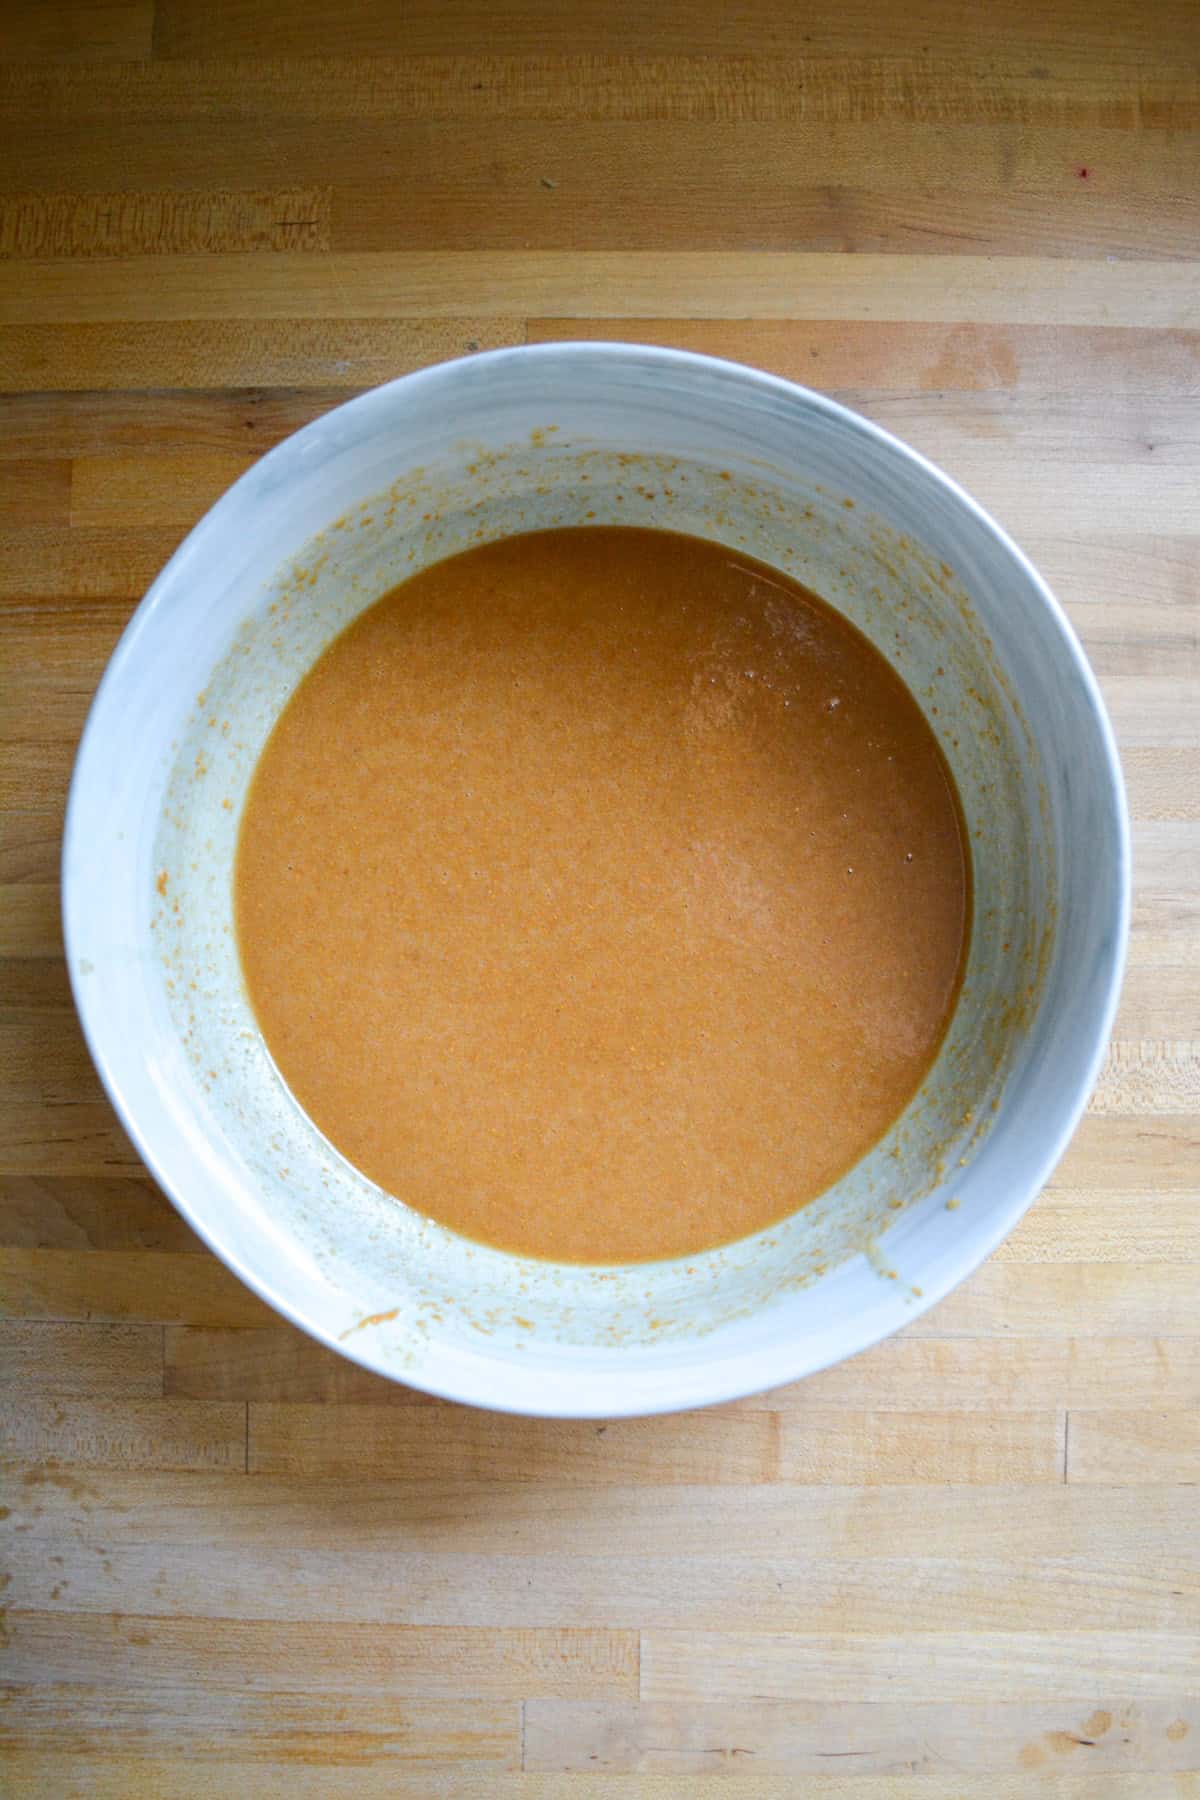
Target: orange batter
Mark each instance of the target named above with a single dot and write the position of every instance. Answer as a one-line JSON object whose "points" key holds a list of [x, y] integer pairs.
{"points": [[602, 894]]}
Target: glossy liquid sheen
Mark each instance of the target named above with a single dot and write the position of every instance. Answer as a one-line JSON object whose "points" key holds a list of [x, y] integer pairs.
{"points": [[602, 894]]}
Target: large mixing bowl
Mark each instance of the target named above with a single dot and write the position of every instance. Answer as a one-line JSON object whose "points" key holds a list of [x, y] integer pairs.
{"points": [[506, 442]]}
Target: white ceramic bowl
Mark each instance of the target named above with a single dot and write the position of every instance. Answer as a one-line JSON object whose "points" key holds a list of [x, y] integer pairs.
{"points": [[499, 443]]}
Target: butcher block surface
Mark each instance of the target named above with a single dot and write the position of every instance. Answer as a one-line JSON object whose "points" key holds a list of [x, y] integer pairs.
{"points": [[966, 1563]]}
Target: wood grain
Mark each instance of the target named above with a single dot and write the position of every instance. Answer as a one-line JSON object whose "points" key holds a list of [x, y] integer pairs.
{"points": [[1136, 1546], [968, 1665], [466, 1736], [127, 1434], [407, 1444], [703, 1594], [77, 31], [47, 1212], [123, 359], [125, 1284], [965, 1562], [35, 493], [264, 1656], [1135, 1448], [386, 183], [883, 1737], [168, 1778], [227, 152], [723, 284], [41, 565], [162, 224], [895, 357], [1119, 31], [1091, 85], [155, 490], [112, 1361]]}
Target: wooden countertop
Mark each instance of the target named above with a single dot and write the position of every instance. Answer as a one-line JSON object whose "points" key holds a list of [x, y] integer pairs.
{"points": [[233, 1563]]}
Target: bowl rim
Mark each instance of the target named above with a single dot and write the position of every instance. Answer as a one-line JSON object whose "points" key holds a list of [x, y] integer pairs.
{"points": [[732, 1376]]}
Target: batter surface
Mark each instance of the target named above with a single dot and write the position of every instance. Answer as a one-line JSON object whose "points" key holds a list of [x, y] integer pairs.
{"points": [[602, 894]]}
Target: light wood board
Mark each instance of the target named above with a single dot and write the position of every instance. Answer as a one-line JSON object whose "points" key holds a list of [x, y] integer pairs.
{"points": [[967, 1563]]}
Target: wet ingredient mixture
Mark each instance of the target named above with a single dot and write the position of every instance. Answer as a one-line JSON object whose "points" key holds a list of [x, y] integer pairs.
{"points": [[602, 894]]}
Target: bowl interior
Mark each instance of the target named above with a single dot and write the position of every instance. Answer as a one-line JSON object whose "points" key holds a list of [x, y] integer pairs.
{"points": [[563, 436]]}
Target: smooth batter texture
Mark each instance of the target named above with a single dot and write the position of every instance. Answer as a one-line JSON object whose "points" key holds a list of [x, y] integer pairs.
{"points": [[602, 894]]}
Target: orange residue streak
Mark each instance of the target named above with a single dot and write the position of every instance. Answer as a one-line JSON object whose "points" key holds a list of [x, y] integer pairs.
{"points": [[380, 1318]]}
